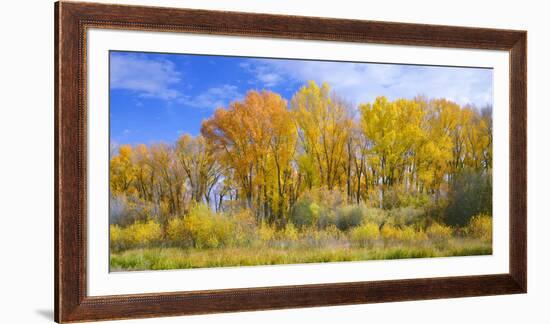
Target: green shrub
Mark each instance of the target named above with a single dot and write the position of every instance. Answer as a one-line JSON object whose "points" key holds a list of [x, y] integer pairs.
{"points": [[305, 213], [365, 234], [406, 215], [391, 198], [375, 215], [349, 216], [317, 207], [398, 196], [416, 200], [481, 227], [471, 193]]}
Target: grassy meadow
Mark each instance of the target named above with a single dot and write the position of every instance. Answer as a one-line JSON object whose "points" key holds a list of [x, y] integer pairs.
{"points": [[355, 233]]}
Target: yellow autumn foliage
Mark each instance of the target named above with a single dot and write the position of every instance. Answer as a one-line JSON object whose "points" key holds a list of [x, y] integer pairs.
{"points": [[481, 227], [439, 233], [365, 234], [139, 234]]}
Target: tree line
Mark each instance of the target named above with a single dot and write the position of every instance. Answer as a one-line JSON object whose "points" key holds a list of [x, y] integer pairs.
{"points": [[263, 153]]}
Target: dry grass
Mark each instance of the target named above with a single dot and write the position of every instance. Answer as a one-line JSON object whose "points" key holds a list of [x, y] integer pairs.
{"points": [[179, 258]]}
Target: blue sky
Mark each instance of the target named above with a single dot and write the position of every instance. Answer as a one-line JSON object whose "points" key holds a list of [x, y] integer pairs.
{"points": [[159, 97]]}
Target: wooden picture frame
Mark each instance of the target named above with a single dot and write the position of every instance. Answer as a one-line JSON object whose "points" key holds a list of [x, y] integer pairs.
{"points": [[72, 20]]}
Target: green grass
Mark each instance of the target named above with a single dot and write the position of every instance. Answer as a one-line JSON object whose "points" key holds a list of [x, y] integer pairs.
{"points": [[178, 258]]}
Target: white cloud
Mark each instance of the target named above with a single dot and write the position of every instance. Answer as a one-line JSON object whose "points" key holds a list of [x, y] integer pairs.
{"points": [[213, 97], [263, 73], [161, 79], [147, 77], [360, 82]]}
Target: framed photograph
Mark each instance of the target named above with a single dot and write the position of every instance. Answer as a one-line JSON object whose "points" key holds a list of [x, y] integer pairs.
{"points": [[212, 161]]}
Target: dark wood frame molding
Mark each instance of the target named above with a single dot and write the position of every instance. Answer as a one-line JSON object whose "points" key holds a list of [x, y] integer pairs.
{"points": [[72, 20]]}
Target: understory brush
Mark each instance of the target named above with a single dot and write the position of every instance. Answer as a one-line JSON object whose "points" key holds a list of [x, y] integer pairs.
{"points": [[318, 232]]}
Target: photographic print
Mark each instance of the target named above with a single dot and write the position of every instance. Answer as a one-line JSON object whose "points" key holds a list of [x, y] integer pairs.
{"points": [[221, 161], [215, 161]]}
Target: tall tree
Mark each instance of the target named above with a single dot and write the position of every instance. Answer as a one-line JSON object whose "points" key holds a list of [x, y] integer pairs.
{"points": [[254, 138], [323, 126], [394, 129], [199, 163]]}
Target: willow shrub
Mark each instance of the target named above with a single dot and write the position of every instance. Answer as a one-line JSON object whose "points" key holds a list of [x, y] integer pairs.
{"points": [[203, 228], [128, 209], [410, 234], [177, 233], [140, 234], [439, 233], [407, 215], [374, 215], [267, 233], [404, 234], [245, 227], [481, 227], [313, 237], [365, 234], [207, 229], [290, 233], [390, 233], [116, 238]]}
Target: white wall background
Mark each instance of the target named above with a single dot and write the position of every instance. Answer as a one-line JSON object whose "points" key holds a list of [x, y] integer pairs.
{"points": [[26, 160]]}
